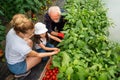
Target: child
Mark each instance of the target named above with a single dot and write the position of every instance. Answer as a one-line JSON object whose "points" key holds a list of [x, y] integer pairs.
{"points": [[41, 38]]}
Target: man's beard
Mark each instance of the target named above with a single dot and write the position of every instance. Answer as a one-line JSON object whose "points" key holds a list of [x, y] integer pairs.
{"points": [[56, 21]]}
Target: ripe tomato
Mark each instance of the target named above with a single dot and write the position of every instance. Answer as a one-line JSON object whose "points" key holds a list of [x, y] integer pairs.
{"points": [[47, 73], [54, 71], [49, 70], [51, 74], [47, 76], [56, 68], [43, 78], [53, 77], [57, 71]]}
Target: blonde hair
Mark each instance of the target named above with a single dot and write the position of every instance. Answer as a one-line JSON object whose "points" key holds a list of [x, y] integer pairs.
{"points": [[16, 17], [54, 9], [21, 23]]}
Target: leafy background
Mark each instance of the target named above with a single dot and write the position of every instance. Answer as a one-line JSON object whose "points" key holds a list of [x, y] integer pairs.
{"points": [[86, 52], [8, 8]]}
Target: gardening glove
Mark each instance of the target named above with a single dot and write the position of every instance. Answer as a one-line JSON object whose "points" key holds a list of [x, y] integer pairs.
{"points": [[61, 35]]}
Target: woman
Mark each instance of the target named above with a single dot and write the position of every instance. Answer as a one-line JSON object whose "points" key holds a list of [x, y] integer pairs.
{"points": [[19, 55]]}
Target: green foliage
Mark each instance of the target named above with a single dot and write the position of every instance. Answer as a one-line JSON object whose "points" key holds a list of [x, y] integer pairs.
{"points": [[8, 8], [86, 49], [11, 7], [2, 34]]}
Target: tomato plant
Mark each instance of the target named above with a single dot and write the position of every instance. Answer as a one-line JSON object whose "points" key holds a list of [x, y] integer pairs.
{"points": [[86, 52]]}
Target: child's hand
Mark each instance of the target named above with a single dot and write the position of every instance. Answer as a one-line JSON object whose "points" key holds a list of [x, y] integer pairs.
{"points": [[56, 51]]}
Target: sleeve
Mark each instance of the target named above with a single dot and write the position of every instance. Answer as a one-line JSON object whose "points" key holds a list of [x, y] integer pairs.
{"points": [[47, 21], [23, 49]]}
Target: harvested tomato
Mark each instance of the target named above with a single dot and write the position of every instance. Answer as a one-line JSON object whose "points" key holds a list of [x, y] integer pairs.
{"points": [[51, 74], [43, 78], [53, 77], [47, 76], [54, 71], [47, 73]]}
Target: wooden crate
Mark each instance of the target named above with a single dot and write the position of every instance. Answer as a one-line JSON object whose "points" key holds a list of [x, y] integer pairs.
{"points": [[45, 68]]}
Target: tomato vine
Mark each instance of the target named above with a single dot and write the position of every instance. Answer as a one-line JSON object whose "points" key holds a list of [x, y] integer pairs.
{"points": [[86, 52]]}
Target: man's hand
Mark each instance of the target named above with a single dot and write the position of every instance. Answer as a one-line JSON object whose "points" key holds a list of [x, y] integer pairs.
{"points": [[61, 35]]}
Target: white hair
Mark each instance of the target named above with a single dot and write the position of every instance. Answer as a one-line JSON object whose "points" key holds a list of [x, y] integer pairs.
{"points": [[54, 9]]}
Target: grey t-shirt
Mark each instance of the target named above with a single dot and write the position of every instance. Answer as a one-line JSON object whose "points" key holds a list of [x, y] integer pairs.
{"points": [[16, 48]]}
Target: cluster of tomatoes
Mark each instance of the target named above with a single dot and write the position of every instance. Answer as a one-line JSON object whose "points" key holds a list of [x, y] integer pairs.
{"points": [[51, 74]]}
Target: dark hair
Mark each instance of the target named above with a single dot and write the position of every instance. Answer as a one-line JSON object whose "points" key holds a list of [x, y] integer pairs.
{"points": [[37, 38]]}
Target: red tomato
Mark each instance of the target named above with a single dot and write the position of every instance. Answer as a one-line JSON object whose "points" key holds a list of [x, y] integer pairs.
{"points": [[44, 78], [54, 71], [47, 76], [50, 71], [47, 73], [56, 68], [57, 71], [53, 77]]}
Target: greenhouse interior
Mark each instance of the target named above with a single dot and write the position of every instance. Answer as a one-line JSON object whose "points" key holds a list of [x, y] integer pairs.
{"points": [[59, 40]]}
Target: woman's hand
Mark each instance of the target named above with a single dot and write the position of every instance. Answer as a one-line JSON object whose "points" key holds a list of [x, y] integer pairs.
{"points": [[55, 49]]}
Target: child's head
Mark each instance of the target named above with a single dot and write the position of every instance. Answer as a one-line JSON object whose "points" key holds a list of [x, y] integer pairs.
{"points": [[40, 29]]}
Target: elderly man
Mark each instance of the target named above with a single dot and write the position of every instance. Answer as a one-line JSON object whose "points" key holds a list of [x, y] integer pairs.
{"points": [[55, 21]]}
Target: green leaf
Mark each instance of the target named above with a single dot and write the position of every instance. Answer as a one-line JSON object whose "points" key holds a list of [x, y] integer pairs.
{"points": [[118, 78], [108, 53], [2, 28], [1, 13], [56, 61], [82, 72], [76, 62], [80, 43], [103, 76], [79, 23], [60, 75], [111, 71], [2, 38], [62, 69], [71, 46], [74, 76], [30, 2], [66, 59], [69, 70]]}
